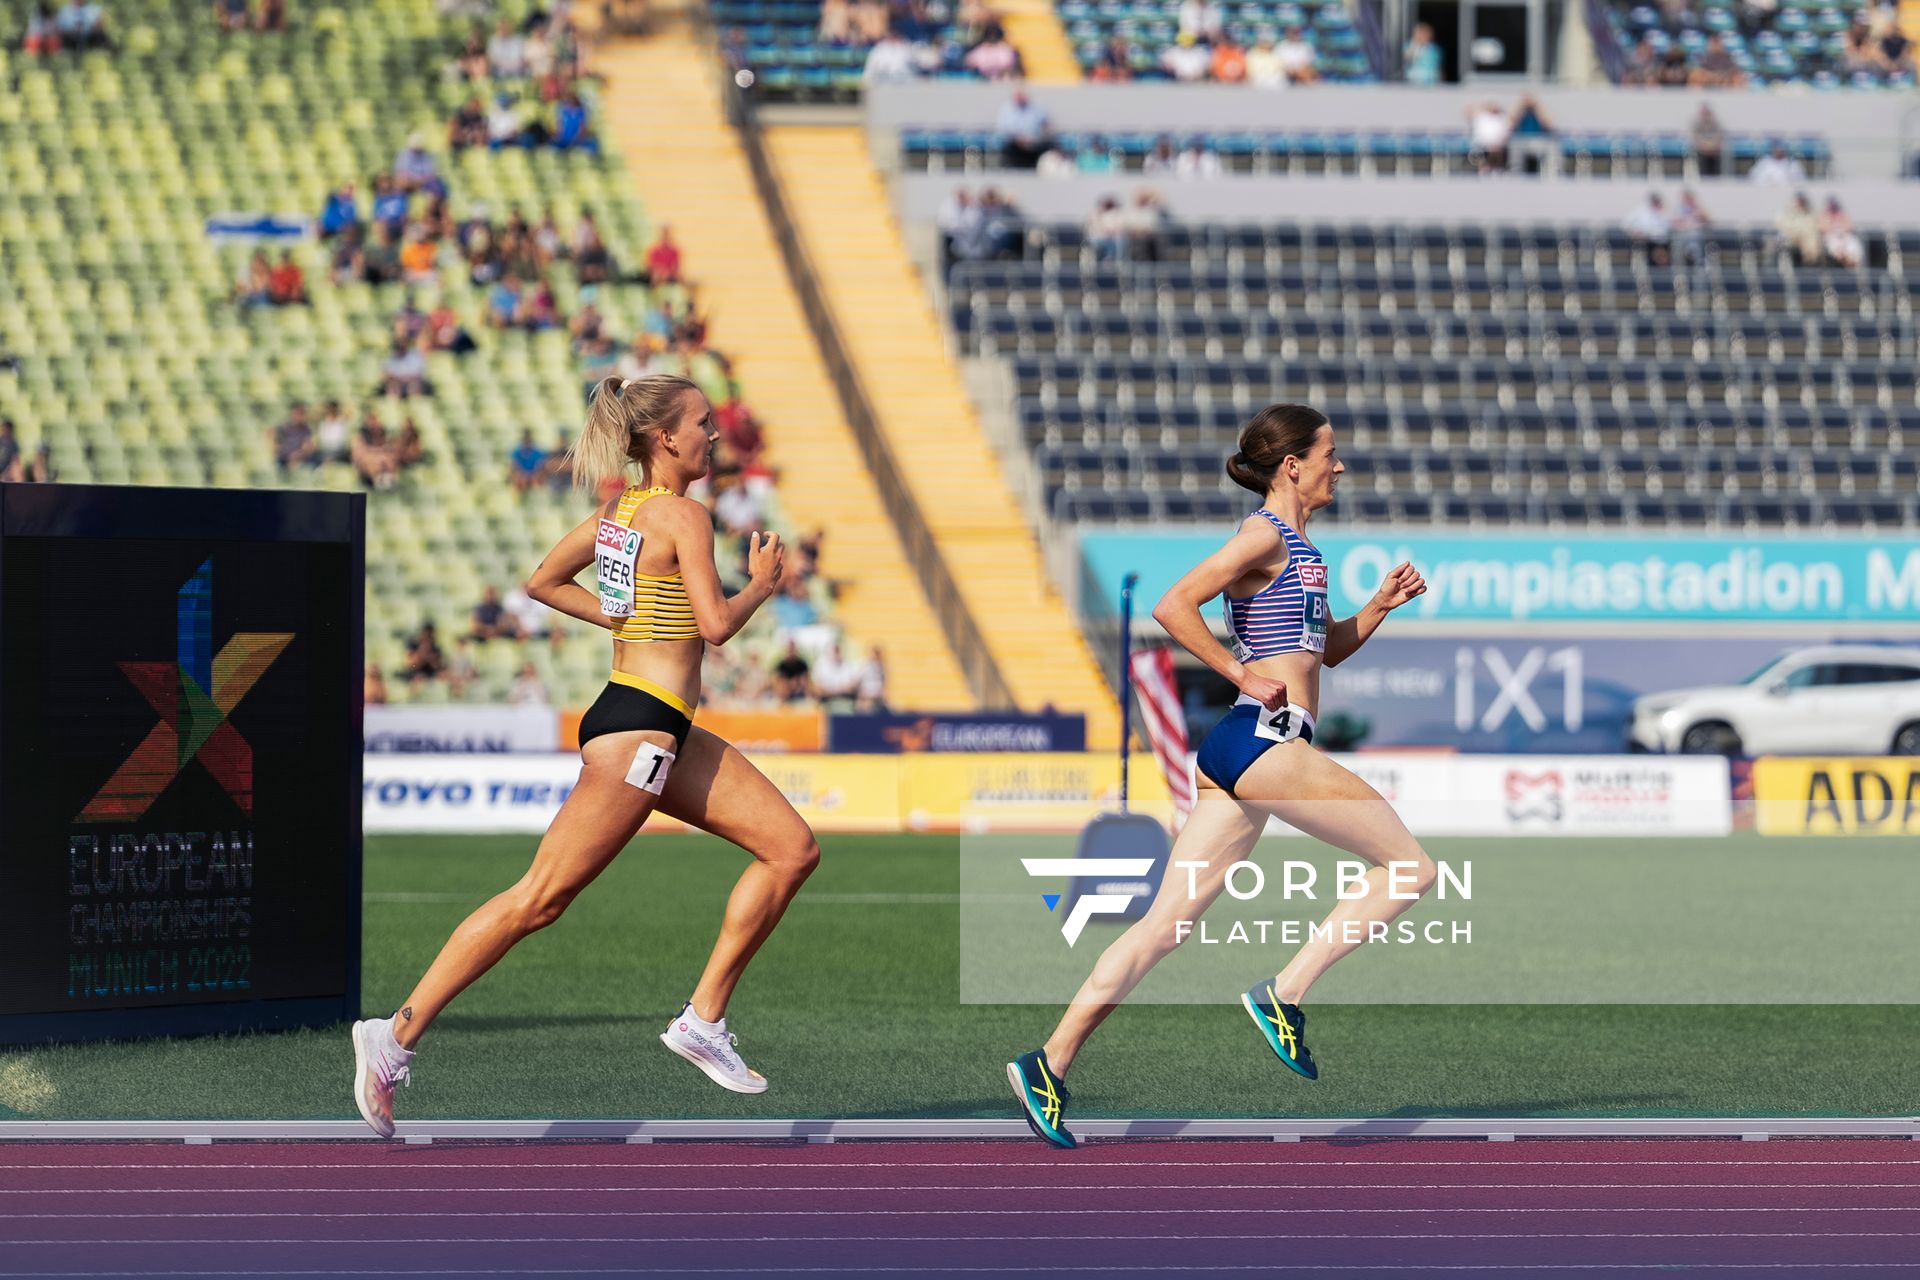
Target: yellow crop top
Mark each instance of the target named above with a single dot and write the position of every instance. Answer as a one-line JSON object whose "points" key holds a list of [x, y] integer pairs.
{"points": [[661, 610]]}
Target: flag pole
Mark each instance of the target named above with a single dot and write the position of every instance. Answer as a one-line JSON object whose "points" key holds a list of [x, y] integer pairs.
{"points": [[1126, 680]]}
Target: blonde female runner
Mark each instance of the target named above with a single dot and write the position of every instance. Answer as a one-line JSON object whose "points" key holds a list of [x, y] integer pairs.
{"points": [[660, 596], [1258, 760]]}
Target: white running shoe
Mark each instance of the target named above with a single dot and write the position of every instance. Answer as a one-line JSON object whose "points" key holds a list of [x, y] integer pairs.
{"points": [[710, 1047], [379, 1063]]}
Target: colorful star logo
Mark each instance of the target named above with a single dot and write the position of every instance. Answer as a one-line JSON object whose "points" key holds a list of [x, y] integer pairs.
{"points": [[193, 697]]}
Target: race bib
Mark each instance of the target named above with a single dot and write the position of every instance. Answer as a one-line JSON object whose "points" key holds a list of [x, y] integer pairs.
{"points": [[1313, 587], [651, 765], [1283, 725], [616, 549]]}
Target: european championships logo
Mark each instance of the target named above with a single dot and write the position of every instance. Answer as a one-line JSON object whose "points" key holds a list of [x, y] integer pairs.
{"points": [[193, 696]]}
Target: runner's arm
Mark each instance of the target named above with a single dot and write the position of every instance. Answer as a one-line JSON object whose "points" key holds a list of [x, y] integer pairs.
{"points": [[553, 585], [1179, 610], [1345, 637], [718, 615]]}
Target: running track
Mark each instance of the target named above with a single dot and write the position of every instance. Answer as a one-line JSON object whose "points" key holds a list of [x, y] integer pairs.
{"points": [[1334, 1208]]}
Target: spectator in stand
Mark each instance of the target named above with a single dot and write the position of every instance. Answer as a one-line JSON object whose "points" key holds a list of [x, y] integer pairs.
{"points": [[425, 661], [232, 15], [349, 260], [254, 288], [1651, 229], [592, 262], [491, 621], [504, 302], [1198, 161], [559, 473], [738, 428], [1860, 53], [571, 132], [1842, 243], [1709, 142], [468, 127], [663, 260], [540, 310], [737, 508], [599, 359], [444, 332], [1059, 161], [410, 450], [1778, 167], [791, 675], [531, 619], [1896, 51], [1229, 61], [340, 212], [528, 689], [1146, 220], [333, 436], [1264, 70], [1643, 65], [405, 372], [82, 24], [9, 451], [272, 16], [526, 464], [372, 454], [1422, 57], [836, 23], [391, 204], [1107, 231], [891, 61], [1097, 158], [40, 470], [870, 19], [1799, 232], [1115, 65], [836, 680], [1716, 68], [43, 33], [1161, 159], [287, 284], [994, 57], [1487, 131], [1025, 130], [1298, 58], [472, 63], [293, 444], [506, 53], [1532, 135], [415, 169], [871, 693], [503, 123], [373, 688], [1673, 71], [460, 671], [1201, 19], [1690, 223], [419, 256], [793, 607], [1188, 59]]}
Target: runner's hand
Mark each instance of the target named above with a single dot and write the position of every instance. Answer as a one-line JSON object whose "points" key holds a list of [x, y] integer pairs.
{"points": [[1272, 694], [1400, 585], [765, 560]]}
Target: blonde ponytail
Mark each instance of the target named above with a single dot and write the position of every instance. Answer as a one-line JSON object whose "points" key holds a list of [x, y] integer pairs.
{"points": [[623, 415]]}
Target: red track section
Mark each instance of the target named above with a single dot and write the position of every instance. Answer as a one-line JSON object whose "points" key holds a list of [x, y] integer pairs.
{"points": [[1782, 1208]]}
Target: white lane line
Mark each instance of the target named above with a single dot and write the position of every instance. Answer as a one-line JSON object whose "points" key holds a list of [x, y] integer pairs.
{"points": [[1103, 1237], [448, 1158], [1051, 1188], [358, 1215], [1269, 1268]]}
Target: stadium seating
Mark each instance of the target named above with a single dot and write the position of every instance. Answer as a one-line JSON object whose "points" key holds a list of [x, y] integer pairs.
{"points": [[1150, 26], [126, 355], [1479, 375], [1795, 41], [781, 44], [1413, 153]]}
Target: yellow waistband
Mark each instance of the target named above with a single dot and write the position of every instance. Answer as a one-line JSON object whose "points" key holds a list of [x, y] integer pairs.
{"points": [[645, 685]]}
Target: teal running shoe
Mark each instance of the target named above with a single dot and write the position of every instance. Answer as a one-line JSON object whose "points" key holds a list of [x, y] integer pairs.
{"points": [[1284, 1027], [1043, 1098]]}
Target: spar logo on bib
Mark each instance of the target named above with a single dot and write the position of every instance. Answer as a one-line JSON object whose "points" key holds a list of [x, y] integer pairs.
{"points": [[1313, 575]]}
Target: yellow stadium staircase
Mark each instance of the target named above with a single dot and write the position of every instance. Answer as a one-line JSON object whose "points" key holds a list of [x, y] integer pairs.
{"points": [[663, 108], [1033, 27], [884, 312]]}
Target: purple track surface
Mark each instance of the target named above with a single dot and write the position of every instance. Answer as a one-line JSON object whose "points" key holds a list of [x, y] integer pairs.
{"points": [[1724, 1208]]}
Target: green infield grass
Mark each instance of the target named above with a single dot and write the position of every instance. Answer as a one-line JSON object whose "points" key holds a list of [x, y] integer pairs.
{"points": [[854, 1009]]}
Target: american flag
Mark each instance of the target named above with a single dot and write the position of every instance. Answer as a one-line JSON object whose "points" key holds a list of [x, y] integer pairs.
{"points": [[1166, 725]]}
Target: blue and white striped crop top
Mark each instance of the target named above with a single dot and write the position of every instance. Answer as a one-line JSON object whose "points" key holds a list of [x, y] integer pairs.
{"points": [[1289, 615]]}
